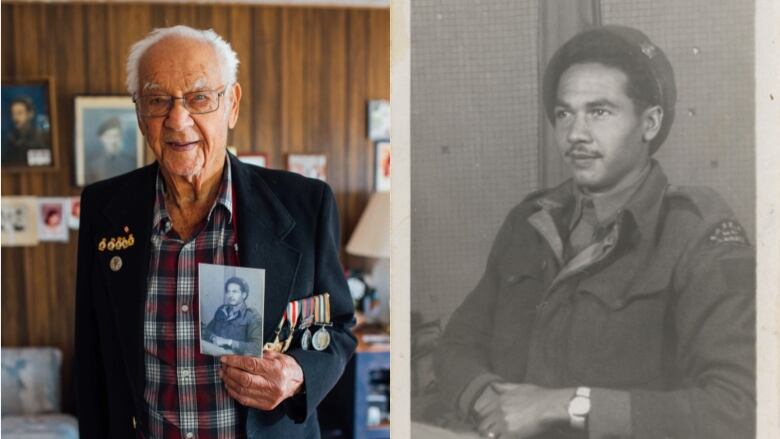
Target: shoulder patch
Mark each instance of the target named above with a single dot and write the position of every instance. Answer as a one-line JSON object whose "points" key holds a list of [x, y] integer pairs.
{"points": [[728, 232]]}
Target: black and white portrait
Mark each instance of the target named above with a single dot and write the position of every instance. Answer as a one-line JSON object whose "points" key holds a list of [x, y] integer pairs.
{"points": [[582, 219], [231, 310]]}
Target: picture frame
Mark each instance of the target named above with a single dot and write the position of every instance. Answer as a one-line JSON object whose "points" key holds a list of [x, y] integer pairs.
{"points": [[108, 141], [382, 166], [224, 290], [254, 158], [378, 119], [53, 216], [19, 221], [29, 125], [308, 165]]}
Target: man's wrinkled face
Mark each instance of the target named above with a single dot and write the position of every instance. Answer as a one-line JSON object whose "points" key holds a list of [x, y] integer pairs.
{"points": [[19, 115], [233, 295], [185, 144], [602, 137]]}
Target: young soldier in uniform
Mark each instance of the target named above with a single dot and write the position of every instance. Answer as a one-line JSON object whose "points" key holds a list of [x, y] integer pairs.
{"points": [[614, 305]]}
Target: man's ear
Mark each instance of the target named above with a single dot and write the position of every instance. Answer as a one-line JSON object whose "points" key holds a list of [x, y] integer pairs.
{"points": [[235, 99], [652, 118]]}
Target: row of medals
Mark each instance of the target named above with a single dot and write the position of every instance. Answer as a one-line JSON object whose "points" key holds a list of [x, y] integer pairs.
{"points": [[319, 340]]}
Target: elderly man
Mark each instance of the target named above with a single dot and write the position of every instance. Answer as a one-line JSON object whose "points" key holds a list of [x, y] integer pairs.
{"points": [[615, 305], [143, 234], [235, 326]]}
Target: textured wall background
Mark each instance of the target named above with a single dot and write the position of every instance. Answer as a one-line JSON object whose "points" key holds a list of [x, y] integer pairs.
{"points": [[474, 103], [474, 133]]}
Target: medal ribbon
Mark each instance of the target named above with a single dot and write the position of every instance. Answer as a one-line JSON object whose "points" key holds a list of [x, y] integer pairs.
{"points": [[326, 299], [292, 314]]}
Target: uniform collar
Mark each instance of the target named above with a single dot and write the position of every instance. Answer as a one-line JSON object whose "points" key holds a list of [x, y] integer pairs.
{"points": [[556, 208], [234, 312], [607, 205]]}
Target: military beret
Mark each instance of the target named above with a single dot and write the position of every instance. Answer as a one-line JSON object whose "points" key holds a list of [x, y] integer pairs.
{"points": [[649, 72]]}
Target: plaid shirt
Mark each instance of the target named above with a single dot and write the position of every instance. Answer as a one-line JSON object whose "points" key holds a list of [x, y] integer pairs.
{"points": [[185, 397]]}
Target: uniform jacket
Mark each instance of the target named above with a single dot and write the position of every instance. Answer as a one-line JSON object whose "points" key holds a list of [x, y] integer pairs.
{"points": [[287, 224], [244, 329], [658, 318]]}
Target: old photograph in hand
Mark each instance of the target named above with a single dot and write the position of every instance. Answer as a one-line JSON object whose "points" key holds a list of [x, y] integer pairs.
{"points": [[231, 309]]}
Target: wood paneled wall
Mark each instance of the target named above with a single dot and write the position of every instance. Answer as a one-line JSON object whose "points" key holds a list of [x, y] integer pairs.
{"points": [[306, 75]]}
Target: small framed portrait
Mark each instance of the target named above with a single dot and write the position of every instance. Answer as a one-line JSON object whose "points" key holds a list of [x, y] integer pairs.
{"points": [[382, 166], [108, 141], [309, 165], [19, 221], [53, 219], [231, 309], [254, 158], [29, 140], [74, 218], [379, 119]]}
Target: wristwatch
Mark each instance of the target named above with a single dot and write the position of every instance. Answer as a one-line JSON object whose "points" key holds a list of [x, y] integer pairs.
{"points": [[579, 408]]}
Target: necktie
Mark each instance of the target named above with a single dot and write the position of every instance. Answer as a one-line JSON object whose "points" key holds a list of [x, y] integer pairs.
{"points": [[583, 232]]}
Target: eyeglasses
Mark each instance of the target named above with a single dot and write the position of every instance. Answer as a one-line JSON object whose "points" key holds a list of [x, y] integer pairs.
{"points": [[196, 102]]}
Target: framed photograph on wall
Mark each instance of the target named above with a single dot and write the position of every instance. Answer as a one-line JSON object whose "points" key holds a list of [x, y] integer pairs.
{"points": [[29, 140], [382, 166], [309, 165], [254, 158], [19, 221], [108, 141], [378, 119], [53, 219]]}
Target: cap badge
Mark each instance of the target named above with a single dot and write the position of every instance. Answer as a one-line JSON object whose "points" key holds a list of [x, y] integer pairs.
{"points": [[648, 49]]}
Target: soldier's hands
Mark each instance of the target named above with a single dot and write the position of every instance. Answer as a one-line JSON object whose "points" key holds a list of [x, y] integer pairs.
{"points": [[222, 342], [524, 410], [487, 407], [261, 383]]}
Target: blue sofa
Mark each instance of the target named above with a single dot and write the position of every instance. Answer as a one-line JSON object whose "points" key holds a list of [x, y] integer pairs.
{"points": [[31, 395]]}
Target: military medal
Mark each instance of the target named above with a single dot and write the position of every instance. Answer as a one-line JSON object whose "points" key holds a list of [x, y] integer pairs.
{"points": [[307, 312], [306, 339], [292, 317], [276, 345], [115, 263], [307, 318], [321, 339]]}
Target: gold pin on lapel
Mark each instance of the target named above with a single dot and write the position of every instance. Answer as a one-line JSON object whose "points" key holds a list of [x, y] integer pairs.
{"points": [[115, 264]]}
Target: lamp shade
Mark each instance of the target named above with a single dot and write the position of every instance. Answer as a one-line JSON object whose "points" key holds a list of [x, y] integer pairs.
{"points": [[371, 237]]}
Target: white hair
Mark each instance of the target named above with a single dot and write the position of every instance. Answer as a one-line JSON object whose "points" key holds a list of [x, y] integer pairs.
{"points": [[228, 58]]}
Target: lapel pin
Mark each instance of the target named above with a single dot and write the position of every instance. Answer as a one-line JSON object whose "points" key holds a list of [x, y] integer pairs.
{"points": [[116, 263]]}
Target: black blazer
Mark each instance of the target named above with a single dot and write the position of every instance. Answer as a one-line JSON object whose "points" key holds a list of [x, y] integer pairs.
{"points": [[287, 224]]}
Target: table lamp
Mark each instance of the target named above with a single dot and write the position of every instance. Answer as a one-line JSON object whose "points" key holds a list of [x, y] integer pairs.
{"points": [[371, 239]]}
